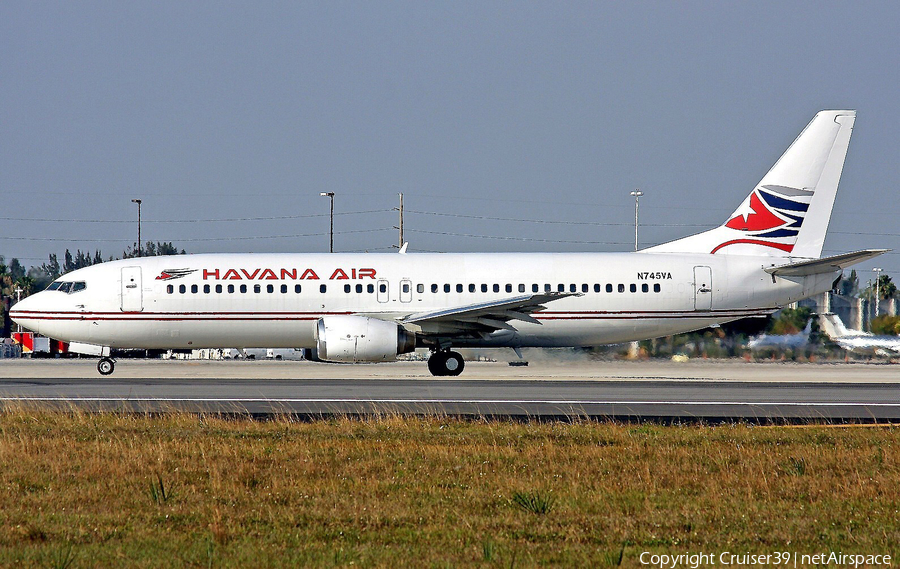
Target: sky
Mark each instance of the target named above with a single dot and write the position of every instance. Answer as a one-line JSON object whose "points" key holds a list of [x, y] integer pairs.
{"points": [[508, 126]]}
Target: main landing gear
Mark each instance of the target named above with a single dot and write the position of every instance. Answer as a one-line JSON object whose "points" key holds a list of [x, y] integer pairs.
{"points": [[106, 366], [445, 362]]}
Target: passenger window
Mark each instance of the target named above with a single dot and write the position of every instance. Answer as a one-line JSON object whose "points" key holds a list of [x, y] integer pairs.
{"points": [[633, 287], [284, 289], [219, 288], [324, 288], [257, 289], [621, 288], [645, 287], [359, 289], [270, 288], [548, 287], [496, 288], [420, 288], [608, 288], [573, 288], [446, 287], [584, 288], [434, 287], [243, 289], [535, 288], [194, 289], [347, 288], [370, 288], [459, 288], [561, 288], [170, 289], [405, 287], [508, 287], [484, 287], [521, 288], [230, 289], [206, 289], [656, 287], [297, 289], [596, 287], [182, 289], [472, 287], [381, 288]]}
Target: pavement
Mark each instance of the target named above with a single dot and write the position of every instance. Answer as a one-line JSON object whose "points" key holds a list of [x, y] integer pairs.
{"points": [[713, 390]]}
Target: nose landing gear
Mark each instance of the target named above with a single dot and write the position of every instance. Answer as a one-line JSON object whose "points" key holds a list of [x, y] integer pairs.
{"points": [[106, 366], [446, 362]]}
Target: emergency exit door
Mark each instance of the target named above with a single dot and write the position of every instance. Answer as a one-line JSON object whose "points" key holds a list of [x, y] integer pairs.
{"points": [[132, 290]]}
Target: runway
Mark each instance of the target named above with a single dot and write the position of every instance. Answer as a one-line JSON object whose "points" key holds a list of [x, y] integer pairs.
{"points": [[710, 391]]}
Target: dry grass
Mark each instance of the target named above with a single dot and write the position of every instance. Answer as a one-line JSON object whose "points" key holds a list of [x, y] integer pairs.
{"points": [[107, 490]]}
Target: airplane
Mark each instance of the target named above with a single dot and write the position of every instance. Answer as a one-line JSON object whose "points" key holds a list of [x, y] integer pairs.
{"points": [[857, 340], [797, 341], [343, 307]]}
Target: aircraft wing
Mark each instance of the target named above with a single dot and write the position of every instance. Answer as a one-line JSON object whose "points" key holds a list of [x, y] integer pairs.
{"points": [[485, 317], [824, 265]]}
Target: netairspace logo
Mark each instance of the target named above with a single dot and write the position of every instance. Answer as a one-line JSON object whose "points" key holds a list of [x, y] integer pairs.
{"points": [[787, 558]]}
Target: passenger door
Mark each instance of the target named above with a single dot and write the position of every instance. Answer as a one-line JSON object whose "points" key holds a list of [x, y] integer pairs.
{"points": [[132, 290], [703, 288]]}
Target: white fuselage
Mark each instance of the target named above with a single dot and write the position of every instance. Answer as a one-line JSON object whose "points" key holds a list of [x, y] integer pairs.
{"points": [[275, 300]]}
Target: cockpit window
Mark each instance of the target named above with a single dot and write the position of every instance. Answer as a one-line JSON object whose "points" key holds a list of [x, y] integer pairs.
{"points": [[68, 287]]}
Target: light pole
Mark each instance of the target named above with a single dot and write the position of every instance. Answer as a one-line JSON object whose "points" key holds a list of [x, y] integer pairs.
{"points": [[637, 194], [138, 202], [18, 292], [877, 271], [331, 231]]}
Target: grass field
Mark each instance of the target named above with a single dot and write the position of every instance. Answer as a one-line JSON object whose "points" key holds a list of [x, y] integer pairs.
{"points": [[110, 490]]}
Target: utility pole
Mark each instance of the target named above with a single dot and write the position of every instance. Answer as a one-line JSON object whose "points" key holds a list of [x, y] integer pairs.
{"points": [[637, 194], [331, 231], [139, 249], [400, 227], [877, 271]]}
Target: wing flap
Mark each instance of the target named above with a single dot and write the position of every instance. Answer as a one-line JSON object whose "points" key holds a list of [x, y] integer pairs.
{"points": [[493, 315]]}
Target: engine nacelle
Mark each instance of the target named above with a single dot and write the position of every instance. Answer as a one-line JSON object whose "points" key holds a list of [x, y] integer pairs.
{"points": [[361, 339]]}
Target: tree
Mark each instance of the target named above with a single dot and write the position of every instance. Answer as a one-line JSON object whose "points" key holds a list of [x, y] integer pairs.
{"points": [[886, 325], [850, 285], [16, 270], [790, 321], [886, 289], [52, 268]]}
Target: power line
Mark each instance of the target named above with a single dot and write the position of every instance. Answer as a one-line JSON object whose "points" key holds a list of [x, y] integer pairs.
{"points": [[196, 239], [498, 237], [232, 219]]}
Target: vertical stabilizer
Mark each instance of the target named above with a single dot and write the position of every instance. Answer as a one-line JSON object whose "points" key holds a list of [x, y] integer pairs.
{"points": [[787, 213]]}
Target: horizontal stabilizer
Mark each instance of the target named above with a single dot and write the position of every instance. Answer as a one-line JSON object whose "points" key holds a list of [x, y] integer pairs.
{"points": [[826, 265]]}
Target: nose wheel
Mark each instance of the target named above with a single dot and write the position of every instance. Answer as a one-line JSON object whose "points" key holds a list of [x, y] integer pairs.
{"points": [[106, 366], [445, 363]]}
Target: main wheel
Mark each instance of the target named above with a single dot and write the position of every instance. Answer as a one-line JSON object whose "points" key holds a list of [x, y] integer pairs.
{"points": [[446, 363], [106, 366], [454, 363]]}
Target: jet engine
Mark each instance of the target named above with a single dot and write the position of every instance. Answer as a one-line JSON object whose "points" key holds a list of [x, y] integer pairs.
{"points": [[361, 339]]}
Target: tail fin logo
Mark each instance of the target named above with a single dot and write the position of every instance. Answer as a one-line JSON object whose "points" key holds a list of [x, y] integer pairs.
{"points": [[771, 216]]}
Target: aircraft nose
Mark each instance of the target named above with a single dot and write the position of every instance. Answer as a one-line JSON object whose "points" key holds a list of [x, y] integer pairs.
{"points": [[27, 312]]}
